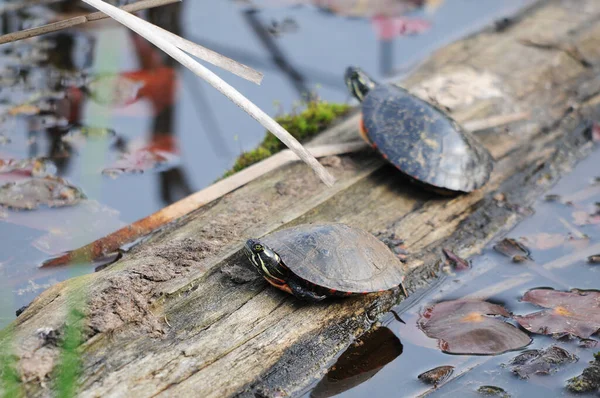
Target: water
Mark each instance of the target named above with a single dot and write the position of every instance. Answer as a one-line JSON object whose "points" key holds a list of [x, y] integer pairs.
{"points": [[493, 277], [198, 130]]}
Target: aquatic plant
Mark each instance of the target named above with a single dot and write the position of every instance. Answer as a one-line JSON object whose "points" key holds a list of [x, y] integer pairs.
{"points": [[470, 327], [575, 312]]}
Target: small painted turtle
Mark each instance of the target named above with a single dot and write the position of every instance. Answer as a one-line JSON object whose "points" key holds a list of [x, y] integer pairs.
{"points": [[418, 138], [315, 261]]}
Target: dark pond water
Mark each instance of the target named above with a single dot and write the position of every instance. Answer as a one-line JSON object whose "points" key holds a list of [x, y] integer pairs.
{"points": [[562, 233], [59, 101]]}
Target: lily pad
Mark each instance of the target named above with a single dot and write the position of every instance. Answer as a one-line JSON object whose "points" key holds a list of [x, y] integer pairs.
{"points": [[35, 192], [541, 361], [469, 327], [575, 312], [140, 161]]}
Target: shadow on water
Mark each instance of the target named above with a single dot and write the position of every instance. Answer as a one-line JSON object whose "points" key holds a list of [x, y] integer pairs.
{"points": [[127, 129], [561, 235]]}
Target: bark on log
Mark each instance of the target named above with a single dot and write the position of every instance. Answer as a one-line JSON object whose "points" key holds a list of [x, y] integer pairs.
{"points": [[183, 315]]}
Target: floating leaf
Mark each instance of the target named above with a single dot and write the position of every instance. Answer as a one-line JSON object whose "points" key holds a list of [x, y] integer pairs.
{"points": [[589, 380], [468, 327], [81, 134], [34, 192], [361, 361], [115, 90], [455, 261], [575, 312], [18, 169], [437, 375], [544, 362], [139, 161], [162, 151], [513, 249]]}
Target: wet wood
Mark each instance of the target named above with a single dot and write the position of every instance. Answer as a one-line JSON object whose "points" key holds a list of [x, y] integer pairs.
{"points": [[182, 313], [109, 244]]}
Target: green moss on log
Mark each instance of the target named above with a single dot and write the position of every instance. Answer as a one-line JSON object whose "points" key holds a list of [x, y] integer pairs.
{"points": [[317, 116]]}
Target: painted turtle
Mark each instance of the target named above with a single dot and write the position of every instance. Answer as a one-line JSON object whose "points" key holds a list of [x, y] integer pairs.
{"points": [[315, 261], [419, 138]]}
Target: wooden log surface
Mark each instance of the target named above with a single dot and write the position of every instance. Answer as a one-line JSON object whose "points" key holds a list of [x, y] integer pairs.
{"points": [[183, 314]]}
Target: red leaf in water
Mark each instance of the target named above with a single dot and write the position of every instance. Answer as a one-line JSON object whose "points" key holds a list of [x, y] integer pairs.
{"points": [[456, 262], [575, 312], [514, 249], [161, 152], [388, 28], [596, 132], [12, 170], [466, 327]]}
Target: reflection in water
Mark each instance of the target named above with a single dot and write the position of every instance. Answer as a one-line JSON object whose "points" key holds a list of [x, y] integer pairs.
{"points": [[361, 361], [559, 238]]}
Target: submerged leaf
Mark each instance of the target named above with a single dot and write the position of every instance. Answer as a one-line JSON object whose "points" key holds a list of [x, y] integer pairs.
{"points": [[541, 361], [34, 192], [455, 261], [575, 312], [466, 327]]}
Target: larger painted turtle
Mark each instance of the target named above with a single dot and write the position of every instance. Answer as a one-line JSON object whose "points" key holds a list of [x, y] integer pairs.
{"points": [[315, 261], [419, 138]]}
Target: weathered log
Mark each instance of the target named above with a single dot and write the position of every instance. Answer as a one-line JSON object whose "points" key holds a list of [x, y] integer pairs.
{"points": [[183, 315]]}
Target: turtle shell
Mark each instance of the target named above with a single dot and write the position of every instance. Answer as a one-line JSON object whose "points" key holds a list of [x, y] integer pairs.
{"points": [[338, 257], [423, 142]]}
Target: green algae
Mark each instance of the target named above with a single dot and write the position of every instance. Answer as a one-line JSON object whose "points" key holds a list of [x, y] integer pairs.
{"points": [[316, 117], [589, 380]]}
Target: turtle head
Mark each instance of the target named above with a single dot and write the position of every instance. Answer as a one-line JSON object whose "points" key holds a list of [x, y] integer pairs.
{"points": [[265, 260], [358, 82]]}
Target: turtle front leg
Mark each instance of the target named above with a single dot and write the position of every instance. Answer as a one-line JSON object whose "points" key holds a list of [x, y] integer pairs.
{"points": [[303, 293]]}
